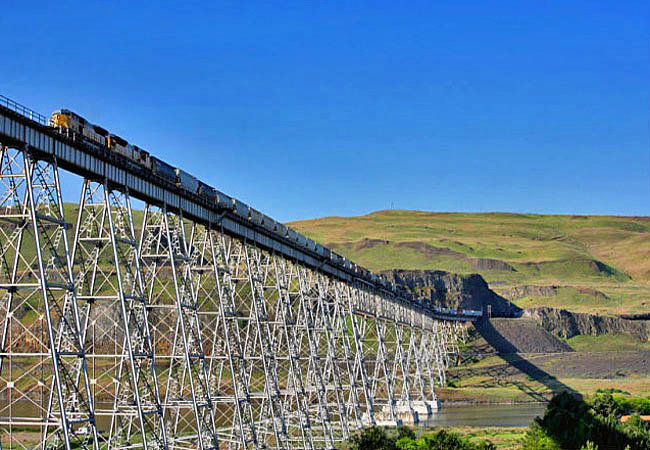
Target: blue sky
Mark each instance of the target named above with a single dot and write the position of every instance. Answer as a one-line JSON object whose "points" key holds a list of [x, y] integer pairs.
{"points": [[310, 109]]}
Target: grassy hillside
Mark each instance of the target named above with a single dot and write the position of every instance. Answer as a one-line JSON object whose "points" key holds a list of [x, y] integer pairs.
{"points": [[596, 263]]}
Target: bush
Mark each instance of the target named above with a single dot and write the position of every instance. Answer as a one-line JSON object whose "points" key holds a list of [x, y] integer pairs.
{"points": [[605, 405], [589, 446], [380, 438], [402, 438], [633, 405], [537, 439], [569, 422]]}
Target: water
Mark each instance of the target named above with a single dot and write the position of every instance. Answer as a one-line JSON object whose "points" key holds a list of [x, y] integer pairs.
{"points": [[486, 415]]}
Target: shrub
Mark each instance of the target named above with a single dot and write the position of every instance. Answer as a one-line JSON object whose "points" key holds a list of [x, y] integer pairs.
{"points": [[380, 438], [589, 446], [569, 422], [537, 439], [402, 438]]}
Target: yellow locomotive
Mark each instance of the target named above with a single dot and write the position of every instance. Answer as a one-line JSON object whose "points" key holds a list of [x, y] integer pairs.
{"points": [[74, 125]]}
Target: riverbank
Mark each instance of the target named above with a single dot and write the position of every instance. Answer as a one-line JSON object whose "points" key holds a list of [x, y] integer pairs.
{"points": [[606, 420]]}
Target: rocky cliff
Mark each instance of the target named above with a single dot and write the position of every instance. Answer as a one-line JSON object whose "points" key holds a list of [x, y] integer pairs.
{"points": [[452, 290], [566, 324]]}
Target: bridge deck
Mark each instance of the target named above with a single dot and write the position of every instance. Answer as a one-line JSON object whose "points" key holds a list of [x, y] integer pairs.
{"points": [[20, 126]]}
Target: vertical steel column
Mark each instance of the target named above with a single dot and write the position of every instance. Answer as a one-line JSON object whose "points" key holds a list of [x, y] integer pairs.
{"points": [[401, 372], [140, 383], [439, 352], [167, 246], [428, 361], [413, 363], [289, 339], [272, 410], [344, 334], [320, 289], [382, 379], [416, 365], [96, 287], [17, 269], [222, 266], [360, 372], [32, 203]]}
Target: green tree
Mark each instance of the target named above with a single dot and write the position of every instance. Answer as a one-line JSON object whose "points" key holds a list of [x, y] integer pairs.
{"points": [[605, 405], [537, 439], [373, 438], [636, 424]]}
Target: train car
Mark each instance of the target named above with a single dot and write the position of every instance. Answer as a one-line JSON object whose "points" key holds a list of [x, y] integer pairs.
{"points": [[336, 258], [292, 235], [223, 201], [119, 146], [241, 209], [75, 126], [187, 181], [163, 170], [255, 216], [270, 224], [311, 245], [207, 192], [141, 156], [281, 229], [326, 253]]}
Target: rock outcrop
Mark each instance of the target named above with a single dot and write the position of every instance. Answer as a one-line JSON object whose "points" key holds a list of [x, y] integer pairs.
{"points": [[530, 290], [451, 290], [517, 292], [491, 264], [566, 324]]}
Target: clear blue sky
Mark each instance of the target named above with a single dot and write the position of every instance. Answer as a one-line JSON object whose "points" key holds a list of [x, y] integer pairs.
{"points": [[309, 109]]}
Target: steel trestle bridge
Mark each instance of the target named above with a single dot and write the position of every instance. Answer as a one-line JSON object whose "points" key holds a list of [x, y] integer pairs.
{"points": [[193, 325]]}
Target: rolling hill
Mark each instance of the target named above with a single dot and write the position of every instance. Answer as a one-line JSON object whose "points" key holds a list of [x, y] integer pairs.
{"points": [[595, 264]]}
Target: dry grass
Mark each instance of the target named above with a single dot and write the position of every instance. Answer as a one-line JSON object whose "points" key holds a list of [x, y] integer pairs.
{"points": [[608, 254]]}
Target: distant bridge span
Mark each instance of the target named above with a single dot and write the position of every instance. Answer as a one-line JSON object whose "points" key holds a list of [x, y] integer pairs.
{"points": [[199, 325]]}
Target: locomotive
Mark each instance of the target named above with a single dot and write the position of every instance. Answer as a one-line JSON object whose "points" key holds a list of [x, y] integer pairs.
{"points": [[76, 127]]}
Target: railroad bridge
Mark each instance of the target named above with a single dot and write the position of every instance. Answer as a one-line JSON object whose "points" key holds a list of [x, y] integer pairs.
{"points": [[193, 324]]}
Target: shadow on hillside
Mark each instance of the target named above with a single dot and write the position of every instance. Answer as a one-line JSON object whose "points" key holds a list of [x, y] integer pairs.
{"points": [[508, 353]]}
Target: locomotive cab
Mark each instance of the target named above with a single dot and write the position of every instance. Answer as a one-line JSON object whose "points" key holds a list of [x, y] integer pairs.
{"points": [[64, 118]]}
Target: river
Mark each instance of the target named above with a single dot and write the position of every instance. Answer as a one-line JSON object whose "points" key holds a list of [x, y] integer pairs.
{"points": [[518, 415]]}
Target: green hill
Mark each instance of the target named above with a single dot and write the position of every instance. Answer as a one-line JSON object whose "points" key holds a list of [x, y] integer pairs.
{"points": [[595, 264]]}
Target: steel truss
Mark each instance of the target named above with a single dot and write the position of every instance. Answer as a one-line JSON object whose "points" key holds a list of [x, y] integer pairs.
{"points": [[41, 313], [178, 335], [110, 281]]}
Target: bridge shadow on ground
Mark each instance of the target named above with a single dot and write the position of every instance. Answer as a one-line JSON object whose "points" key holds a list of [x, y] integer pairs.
{"points": [[510, 354]]}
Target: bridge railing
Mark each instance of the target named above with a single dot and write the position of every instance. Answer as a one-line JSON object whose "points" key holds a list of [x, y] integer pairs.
{"points": [[24, 111]]}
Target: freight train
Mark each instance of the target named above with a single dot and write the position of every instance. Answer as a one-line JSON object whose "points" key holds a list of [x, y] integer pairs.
{"points": [[77, 128]]}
